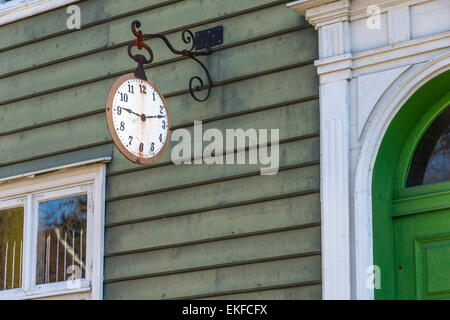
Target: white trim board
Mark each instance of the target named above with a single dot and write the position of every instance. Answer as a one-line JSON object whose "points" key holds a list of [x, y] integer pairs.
{"points": [[67, 166], [358, 9], [55, 177], [28, 8], [387, 57]]}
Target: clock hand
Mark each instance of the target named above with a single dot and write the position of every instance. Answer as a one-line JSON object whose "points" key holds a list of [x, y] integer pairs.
{"points": [[158, 116], [131, 111], [143, 116]]}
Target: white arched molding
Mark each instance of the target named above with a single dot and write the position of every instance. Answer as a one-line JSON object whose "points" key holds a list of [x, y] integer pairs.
{"points": [[383, 113]]}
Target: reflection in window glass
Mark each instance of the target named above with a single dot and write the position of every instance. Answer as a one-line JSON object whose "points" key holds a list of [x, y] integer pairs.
{"points": [[11, 248], [61, 253], [431, 161], [6, 4]]}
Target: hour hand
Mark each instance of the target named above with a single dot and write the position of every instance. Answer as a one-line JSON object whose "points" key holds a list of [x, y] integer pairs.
{"points": [[130, 111]]}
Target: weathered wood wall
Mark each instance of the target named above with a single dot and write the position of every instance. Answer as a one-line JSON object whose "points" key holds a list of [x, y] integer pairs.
{"points": [[198, 231]]}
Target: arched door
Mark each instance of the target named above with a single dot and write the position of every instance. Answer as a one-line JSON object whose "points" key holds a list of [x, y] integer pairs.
{"points": [[411, 198]]}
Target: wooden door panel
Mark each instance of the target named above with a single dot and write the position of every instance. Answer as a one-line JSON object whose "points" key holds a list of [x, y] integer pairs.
{"points": [[433, 267], [422, 255]]}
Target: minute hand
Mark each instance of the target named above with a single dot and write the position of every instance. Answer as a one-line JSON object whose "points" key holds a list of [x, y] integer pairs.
{"points": [[158, 116]]}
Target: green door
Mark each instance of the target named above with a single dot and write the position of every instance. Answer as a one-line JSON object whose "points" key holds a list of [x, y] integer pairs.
{"points": [[411, 198]]}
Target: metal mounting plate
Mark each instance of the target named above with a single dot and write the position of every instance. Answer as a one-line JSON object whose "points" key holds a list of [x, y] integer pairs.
{"points": [[209, 37]]}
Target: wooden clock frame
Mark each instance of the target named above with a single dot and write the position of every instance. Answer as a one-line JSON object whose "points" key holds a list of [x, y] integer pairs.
{"points": [[110, 122]]}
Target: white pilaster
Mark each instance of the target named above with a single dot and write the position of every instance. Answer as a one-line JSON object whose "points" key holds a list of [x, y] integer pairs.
{"points": [[334, 161], [331, 19]]}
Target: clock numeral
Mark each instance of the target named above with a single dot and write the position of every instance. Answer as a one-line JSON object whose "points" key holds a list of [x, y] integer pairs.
{"points": [[130, 88], [164, 124], [152, 148], [143, 89], [160, 137], [161, 108], [131, 139], [119, 111], [123, 97], [141, 147], [154, 99], [122, 126]]}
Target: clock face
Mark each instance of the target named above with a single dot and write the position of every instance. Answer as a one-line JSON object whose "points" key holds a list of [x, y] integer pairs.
{"points": [[138, 119]]}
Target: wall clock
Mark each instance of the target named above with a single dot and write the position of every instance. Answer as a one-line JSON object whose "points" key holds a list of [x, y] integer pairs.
{"points": [[138, 119]]}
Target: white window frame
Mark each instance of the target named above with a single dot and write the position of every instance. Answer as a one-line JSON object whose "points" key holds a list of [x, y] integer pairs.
{"points": [[20, 9], [27, 190]]}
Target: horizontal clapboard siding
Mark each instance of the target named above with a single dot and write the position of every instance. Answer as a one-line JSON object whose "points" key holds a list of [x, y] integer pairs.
{"points": [[99, 38], [179, 231], [226, 280], [312, 291], [217, 253]]}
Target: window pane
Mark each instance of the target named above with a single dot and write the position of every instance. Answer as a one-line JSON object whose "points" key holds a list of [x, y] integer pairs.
{"points": [[11, 248], [8, 3], [61, 253], [431, 161]]}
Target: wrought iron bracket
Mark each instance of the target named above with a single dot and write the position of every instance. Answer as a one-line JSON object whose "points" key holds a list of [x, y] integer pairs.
{"points": [[203, 39]]}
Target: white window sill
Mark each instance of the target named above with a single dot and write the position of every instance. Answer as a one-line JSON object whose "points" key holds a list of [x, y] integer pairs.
{"points": [[48, 290], [10, 12]]}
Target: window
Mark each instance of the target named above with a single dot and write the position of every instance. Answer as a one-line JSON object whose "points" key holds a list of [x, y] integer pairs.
{"points": [[51, 234], [7, 4], [61, 237], [11, 244], [431, 161]]}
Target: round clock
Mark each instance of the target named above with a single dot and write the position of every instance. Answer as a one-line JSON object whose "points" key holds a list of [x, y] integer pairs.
{"points": [[138, 119]]}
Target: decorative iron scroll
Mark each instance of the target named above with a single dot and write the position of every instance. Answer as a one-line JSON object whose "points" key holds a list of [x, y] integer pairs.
{"points": [[187, 37]]}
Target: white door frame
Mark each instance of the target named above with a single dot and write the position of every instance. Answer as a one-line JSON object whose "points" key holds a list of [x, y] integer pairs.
{"points": [[384, 112], [361, 90]]}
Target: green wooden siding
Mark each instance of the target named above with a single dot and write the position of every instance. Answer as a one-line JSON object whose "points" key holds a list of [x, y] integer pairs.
{"points": [[188, 231]]}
